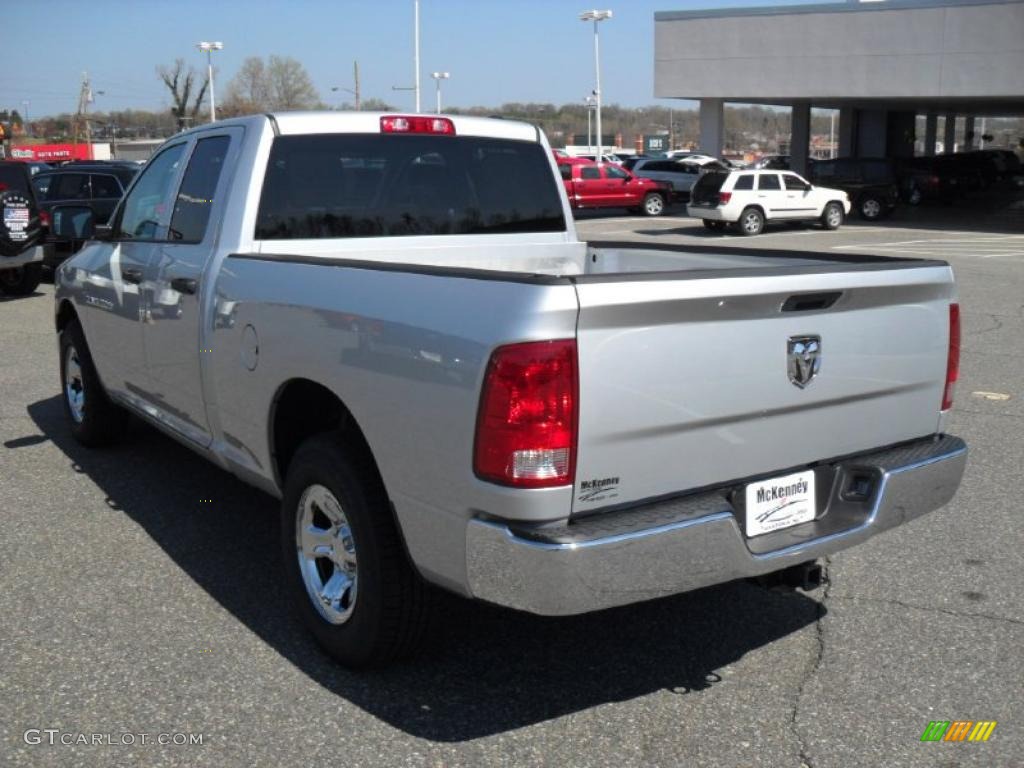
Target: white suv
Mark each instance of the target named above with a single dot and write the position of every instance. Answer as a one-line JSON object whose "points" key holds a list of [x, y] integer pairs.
{"points": [[749, 199]]}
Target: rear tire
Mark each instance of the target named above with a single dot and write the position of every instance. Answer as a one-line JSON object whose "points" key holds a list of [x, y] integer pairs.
{"points": [[94, 420], [654, 204], [337, 527], [832, 216], [21, 281], [870, 208], [751, 222]]}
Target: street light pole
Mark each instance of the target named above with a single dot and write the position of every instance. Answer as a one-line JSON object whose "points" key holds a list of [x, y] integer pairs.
{"points": [[416, 52], [438, 77], [597, 16], [209, 48], [24, 118], [589, 101]]}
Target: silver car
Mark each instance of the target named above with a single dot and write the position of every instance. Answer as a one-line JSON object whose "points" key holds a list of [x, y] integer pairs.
{"points": [[682, 175]]}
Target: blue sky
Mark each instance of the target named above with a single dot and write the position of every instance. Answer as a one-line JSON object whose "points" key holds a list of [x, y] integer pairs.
{"points": [[527, 50]]}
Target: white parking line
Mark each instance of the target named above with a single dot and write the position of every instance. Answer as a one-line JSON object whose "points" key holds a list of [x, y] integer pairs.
{"points": [[977, 246]]}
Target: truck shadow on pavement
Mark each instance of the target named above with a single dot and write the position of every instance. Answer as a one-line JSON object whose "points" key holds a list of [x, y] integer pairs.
{"points": [[486, 670]]}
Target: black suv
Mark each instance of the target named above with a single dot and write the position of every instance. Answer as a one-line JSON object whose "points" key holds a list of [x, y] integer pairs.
{"points": [[99, 186], [870, 183], [21, 230]]}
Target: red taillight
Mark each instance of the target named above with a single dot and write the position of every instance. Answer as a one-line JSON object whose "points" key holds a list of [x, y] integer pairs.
{"points": [[44, 218], [417, 124], [526, 427], [953, 359], [724, 197]]}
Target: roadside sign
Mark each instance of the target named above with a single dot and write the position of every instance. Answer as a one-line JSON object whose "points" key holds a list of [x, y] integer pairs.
{"points": [[655, 143]]}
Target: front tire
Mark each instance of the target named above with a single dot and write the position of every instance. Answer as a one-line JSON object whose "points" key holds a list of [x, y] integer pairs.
{"points": [[347, 572], [94, 420], [21, 281], [751, 222], [832, 216], [653, 205]]}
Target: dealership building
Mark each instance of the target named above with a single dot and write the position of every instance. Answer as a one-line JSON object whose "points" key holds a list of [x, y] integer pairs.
{"points": [[880, 64]]}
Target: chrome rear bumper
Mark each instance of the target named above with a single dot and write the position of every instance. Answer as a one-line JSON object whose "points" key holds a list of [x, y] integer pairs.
{"points": [[696, 541]]}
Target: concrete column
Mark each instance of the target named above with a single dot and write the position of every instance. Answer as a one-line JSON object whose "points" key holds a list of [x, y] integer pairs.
{"points": [[712, 126], [800, 136], [931, 130], [847, 131], [949, 134], [970, 141]]}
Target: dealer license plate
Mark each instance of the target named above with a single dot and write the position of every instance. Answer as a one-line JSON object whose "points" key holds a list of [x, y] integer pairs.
{"points": [[779, 502]]}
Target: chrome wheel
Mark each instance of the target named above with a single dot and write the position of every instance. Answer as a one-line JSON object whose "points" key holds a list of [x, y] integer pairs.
{"points": [[752, 222], [871, 208], [654, 205], [834, 216], [327, 554], [74, 389]]}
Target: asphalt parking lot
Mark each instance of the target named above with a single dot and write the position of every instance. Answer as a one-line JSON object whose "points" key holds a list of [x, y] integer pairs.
{"points": [[130, 605]]}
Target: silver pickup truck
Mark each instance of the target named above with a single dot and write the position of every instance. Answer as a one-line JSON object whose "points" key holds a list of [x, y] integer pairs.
{"points": [[388, 322]]}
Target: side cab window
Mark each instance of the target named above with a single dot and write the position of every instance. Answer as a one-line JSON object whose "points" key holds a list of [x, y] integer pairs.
{"points": [[148, 202]]}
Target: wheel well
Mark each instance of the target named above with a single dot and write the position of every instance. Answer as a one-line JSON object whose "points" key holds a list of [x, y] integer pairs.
{"points": [[302, 409], [756, 207], [65, 315]]}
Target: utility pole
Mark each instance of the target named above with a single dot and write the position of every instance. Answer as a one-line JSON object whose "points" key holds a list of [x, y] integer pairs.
{"points": [[355, 92], [355, 70], [82, 113]]}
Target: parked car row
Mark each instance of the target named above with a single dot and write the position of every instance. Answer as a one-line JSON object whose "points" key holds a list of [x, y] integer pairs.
{"points": [[946, 178], [97, 185]]}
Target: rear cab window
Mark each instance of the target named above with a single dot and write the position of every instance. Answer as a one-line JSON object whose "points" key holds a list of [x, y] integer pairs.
{"points": [[373, 185], [13, 178]]}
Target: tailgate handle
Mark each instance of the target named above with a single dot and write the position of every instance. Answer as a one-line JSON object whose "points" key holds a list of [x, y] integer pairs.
{"points": [[807, 302]]}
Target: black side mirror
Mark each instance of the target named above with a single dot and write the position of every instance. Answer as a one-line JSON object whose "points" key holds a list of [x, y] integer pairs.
{"points": [[73, 222]]}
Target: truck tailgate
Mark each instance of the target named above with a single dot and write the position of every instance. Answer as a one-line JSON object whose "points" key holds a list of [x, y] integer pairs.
{"points": [[685, 376]]}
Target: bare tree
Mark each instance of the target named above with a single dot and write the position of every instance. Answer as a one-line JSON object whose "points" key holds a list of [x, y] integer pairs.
{"points": [[180, 82], [289, 84], [279, 83], [249, 90]]}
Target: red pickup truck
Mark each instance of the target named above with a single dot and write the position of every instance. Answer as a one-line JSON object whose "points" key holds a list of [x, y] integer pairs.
{"points": [[590, 185]]}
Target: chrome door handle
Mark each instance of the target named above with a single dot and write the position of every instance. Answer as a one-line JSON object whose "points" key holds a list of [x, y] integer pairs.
{"points": [[131, 275]]}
